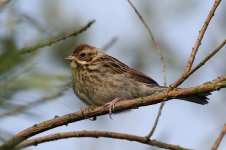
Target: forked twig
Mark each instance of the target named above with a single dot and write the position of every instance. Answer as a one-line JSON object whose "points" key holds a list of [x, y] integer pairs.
{"points": [[185, 76], [200, 37]]}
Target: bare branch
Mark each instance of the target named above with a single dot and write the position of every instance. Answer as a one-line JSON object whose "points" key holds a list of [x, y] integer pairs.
{"points": [[219, 139], [157, 47], [156, 121], [185, 76], [214, 85], [200, 36], [97, 134], [109, 44], [154, 40], [56, 39]]}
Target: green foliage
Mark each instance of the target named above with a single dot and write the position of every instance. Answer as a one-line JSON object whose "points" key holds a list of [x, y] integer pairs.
{"points": [[9, 57]]}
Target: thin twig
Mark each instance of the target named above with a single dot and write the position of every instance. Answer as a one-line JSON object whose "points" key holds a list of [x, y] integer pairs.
{"points": [[56, 39], [188, 71], [156, 121], [97, 134], [109, 44], [157, 47], [185, 76], [219, 139], [200, 37], [214, 85], [22, 108]]}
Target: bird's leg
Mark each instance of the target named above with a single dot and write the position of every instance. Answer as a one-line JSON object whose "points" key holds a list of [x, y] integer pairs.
{"points": [[87, 108], [111, 105]]}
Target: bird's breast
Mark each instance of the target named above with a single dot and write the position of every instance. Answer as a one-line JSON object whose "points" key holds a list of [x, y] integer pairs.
{"points": [[95, 88]]}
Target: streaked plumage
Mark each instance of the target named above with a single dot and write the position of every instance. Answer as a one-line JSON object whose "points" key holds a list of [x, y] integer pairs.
{"points": [[99, 78]]}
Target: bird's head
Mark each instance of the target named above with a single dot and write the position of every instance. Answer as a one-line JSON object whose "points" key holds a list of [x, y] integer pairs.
{"points": [[83, 54]]}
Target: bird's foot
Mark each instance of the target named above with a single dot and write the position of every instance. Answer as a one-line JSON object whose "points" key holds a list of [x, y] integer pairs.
{"points": [[111, 105]]}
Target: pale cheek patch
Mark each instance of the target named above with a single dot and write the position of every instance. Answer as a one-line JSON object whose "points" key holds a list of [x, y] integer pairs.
{"points": [[73, 64], [82, 62]]}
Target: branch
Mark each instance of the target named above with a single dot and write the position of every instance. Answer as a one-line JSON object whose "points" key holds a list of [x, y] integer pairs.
{"points": [[219, 139], [157, 47], [182, 79], [56, 39], [109, 44], [156, 121], [214, 85], [97, 134], [185, 76], [200, 36]]}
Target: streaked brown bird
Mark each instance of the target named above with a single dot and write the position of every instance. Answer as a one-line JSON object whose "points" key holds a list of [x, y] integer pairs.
{"points": [[98, 78]]}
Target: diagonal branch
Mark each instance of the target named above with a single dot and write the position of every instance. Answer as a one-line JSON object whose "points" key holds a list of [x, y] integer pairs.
{"points": [[214, 85], [185, 76], [109, 44], [219, 139], [56, 39], [97, 134], [157, 47], [149, 135], [200, 36]]}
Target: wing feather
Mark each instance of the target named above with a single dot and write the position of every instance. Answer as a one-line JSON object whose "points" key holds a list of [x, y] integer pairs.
{"points": [[114, 66]]}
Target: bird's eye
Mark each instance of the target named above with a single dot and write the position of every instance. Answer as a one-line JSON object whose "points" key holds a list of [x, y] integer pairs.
{"points": [[82, 54]]}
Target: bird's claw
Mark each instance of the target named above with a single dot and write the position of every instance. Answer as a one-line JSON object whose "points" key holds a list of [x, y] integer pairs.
{"points": [[111, 105]]}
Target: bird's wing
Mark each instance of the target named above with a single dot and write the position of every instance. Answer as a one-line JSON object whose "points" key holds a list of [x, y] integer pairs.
{"points": [[114, 66], [141, 77]]}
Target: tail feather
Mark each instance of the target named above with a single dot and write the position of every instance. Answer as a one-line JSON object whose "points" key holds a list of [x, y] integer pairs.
{"points": [[197, 98]]}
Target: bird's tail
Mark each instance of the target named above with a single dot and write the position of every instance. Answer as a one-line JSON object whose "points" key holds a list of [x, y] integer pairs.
{"points": [[195, 98]]}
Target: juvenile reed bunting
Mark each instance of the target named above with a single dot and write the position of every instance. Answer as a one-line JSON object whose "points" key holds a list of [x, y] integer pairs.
{"points": [[99, 79]]}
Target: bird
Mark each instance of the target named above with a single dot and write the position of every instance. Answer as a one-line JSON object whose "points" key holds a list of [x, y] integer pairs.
{"points": [[100, 79]]}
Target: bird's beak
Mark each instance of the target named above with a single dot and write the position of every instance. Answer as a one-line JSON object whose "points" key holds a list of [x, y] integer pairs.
{"points": [[70, 58]]}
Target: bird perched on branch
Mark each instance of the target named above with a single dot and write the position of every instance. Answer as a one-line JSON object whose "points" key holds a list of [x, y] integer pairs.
{"points": [[99, 79]]}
